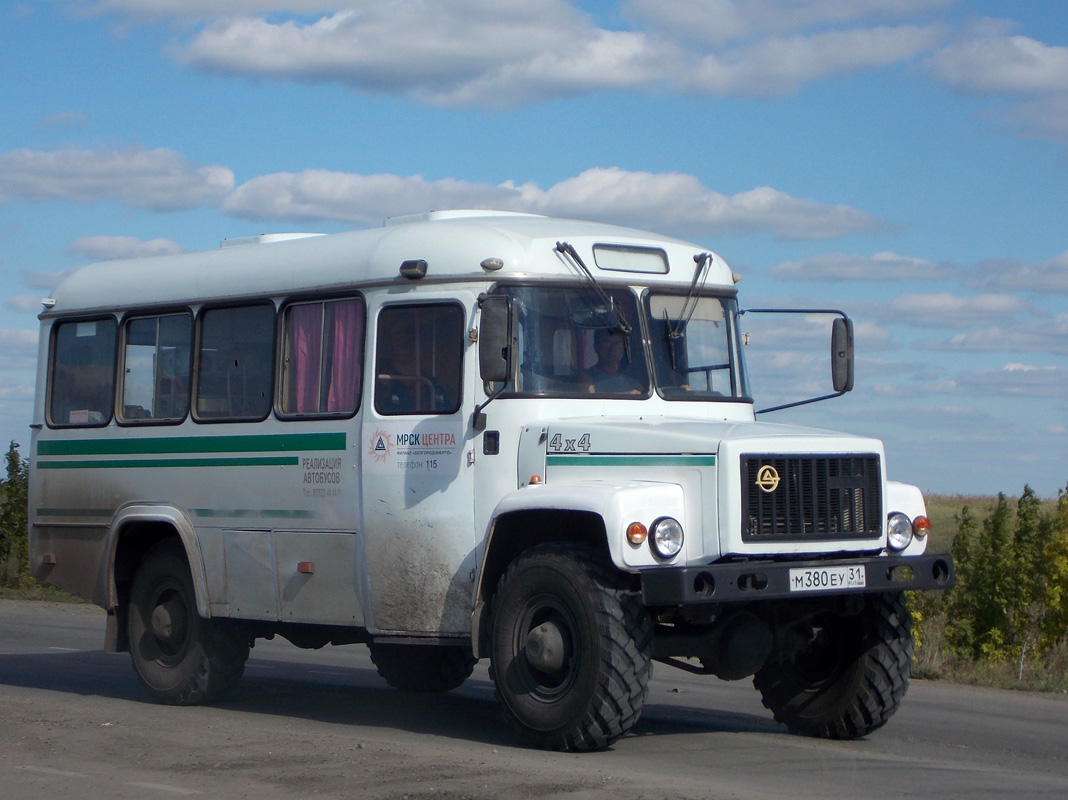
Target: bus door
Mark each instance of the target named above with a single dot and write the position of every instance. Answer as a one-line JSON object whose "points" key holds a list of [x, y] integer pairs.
{"points": [[418, 484]]}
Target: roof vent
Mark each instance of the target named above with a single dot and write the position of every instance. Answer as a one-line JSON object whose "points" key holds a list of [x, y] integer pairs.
{"points": [[453, 213], [267, 238]]}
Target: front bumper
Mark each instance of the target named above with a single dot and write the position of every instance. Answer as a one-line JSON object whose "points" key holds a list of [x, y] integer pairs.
{"points": [[743, 582]]}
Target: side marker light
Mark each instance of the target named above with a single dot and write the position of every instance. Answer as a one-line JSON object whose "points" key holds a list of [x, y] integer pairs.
{"points": [[637, 533]]}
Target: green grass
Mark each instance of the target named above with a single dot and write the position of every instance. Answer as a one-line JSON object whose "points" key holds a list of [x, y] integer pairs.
{"points": [[38, 591], [944, 511]]}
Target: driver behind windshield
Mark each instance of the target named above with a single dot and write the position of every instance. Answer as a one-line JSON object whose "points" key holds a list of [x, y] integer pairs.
{"points": [[608, 374]]}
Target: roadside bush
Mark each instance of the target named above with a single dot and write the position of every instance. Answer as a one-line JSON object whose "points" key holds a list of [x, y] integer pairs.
{"points": [[14, 546], [1006, 620]]}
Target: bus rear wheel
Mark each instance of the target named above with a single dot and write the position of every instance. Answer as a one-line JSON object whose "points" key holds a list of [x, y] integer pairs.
{"points": [[423, 667], [571, 649], [180, 657]]}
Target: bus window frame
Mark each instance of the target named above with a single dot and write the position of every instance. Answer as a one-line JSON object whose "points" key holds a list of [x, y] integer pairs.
{"points": [[53, 336], [280, 354], [120, 366], [198, 340], [438, 302]]}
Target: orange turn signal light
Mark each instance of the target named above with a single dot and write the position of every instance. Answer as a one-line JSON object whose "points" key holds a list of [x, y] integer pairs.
{"points": [[637, 533], [920, 526]]}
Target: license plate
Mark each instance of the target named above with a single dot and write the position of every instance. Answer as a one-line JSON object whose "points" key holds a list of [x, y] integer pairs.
{"points": [[826, 579]]}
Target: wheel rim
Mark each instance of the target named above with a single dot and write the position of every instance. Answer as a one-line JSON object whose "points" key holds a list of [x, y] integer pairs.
{"points": [[545, 651], [167, 633], [821, 659]]}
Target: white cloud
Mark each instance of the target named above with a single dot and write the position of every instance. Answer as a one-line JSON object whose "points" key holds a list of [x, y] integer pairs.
{"points": [[946, 310], [663, 201], [107, 247], [948, 423], [1015, 380], [203, 9], [64, 119], [885, 266], [160, 180], [988, 61], [1014, 275], [719, 21], [486, 52], [323, 195], [18, 349], [24, 302], [1044, 118], [44, 280], [1003, 65], [428, 48], [1045, 336], [679, 202], [780, 65]]}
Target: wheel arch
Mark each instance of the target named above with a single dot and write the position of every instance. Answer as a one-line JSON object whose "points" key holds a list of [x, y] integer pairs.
{"points": [[134, 531], [515, 531]]}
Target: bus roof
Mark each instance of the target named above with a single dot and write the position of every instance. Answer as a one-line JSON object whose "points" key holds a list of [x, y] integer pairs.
{"points": [[456, 245]]}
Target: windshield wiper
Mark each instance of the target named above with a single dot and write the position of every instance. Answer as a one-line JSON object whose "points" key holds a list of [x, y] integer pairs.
{"points": [[689, 305], [566, 248]]}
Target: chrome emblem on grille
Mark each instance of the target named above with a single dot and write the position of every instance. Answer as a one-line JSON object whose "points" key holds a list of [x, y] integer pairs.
{"points": [[767, 479]]}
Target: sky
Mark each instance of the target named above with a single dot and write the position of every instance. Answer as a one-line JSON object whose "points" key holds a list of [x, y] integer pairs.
{"points": [[905, 161]]}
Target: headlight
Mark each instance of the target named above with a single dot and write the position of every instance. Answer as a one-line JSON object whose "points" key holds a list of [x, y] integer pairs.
{"points": [[899, 529], [666, 537]]}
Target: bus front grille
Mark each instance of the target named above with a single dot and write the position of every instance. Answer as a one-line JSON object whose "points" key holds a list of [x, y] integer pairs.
{"points": [[791, 498]]}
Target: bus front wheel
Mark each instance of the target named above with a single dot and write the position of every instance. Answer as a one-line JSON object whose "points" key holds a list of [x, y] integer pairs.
{"points": [[847, 676], [571, 648], [180, 657]]}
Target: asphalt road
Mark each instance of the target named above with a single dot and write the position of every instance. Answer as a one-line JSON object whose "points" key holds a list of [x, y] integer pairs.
{"points": [[74, 723]]}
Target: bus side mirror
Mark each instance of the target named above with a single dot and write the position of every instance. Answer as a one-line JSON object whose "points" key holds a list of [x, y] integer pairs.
{"points": [[842, 355], [495, 337]]}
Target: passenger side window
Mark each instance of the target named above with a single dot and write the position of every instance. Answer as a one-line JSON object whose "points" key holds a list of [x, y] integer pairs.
{"points": [[419, 359], [234, 363], [82, 389], [157, 352], [323, 360]]}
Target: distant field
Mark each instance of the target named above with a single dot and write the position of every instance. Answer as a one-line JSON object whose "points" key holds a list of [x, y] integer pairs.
{"points": [[944, 511]]}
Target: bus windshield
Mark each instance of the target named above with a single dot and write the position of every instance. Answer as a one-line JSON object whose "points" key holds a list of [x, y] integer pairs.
{"points": [[576, 343], [695, 347]]}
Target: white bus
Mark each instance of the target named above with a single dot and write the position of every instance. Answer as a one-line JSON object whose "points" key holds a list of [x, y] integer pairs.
{"points": [[465, 435]]}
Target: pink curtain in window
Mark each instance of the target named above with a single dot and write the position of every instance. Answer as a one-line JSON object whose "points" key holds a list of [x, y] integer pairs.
{"points": [[345, 367], [306, 354]]}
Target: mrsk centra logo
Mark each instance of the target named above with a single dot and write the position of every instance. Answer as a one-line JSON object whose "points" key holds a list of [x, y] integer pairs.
{"points": [[768, 479], [380, 446]]}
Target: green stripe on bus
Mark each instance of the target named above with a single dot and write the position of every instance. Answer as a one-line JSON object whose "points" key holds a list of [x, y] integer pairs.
{"points": [[159, 445], [75, 512], [629, 460], [266, 513], [157, 463]]}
